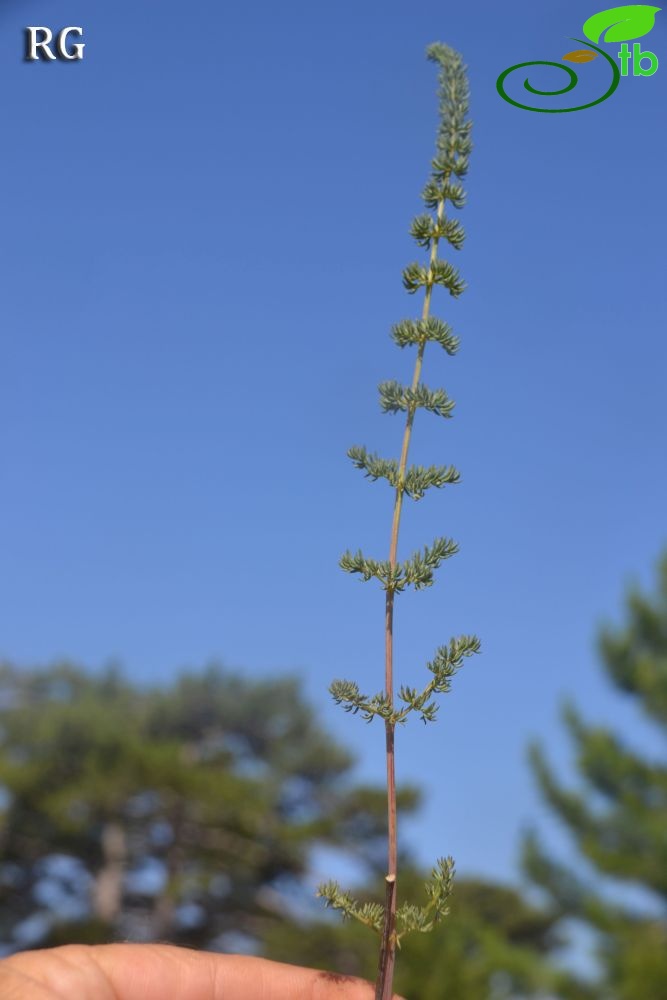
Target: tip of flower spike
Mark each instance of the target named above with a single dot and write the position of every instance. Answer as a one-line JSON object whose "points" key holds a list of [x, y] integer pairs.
{"points": [[441, 53]]}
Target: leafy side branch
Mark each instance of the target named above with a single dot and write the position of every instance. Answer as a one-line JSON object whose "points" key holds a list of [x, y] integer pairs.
{"points": [[408, 917], [444, 665], [443, 189]]}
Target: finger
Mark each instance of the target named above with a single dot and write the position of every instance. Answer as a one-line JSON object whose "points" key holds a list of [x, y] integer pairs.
{"points": [[156, 972]]}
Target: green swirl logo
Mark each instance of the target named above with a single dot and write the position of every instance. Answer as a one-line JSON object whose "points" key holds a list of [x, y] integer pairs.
{"points": [[618, 24]]}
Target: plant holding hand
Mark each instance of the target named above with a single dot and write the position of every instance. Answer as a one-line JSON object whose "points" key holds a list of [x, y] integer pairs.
{"points": [[449, 167], [156, 971]]}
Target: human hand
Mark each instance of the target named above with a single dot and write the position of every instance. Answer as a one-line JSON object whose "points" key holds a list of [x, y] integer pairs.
{"points": [[164, 972]]}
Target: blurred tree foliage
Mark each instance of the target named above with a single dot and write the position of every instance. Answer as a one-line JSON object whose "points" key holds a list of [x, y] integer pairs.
{"points": [[618, 817], [184, 813], [189, 813]]}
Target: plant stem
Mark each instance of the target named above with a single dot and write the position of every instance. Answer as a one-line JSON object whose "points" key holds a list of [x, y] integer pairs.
{"points": [[384, 982]]}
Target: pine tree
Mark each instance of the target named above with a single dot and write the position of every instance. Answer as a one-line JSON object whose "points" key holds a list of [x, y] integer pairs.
{"points": [[619, 817], [183, 813]]}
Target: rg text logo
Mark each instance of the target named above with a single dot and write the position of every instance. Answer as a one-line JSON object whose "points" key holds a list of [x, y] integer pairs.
{"points": [[39, 44]]}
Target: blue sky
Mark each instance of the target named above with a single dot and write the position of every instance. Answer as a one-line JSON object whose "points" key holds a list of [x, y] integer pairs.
{"points": [[204, 226]]}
